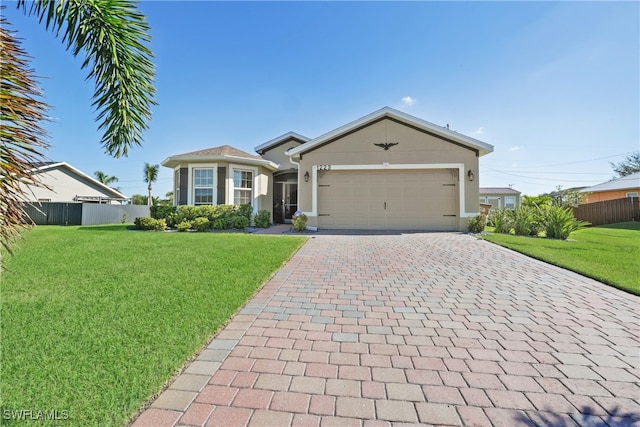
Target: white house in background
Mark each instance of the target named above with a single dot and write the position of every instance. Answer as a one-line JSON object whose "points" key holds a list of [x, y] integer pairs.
{"points": [[68, 184], [500, 197]]}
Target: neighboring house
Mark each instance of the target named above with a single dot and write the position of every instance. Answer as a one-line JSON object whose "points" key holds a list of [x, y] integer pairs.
{"points": [[619, 188], [386, 170], [67, 184], [500, 197]]}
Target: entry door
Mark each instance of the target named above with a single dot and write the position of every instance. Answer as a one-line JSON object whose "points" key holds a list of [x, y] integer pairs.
{"points": [[285, 201]]}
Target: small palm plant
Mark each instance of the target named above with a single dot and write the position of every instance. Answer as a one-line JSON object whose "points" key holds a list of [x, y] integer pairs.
{"points": [[560, 223]]}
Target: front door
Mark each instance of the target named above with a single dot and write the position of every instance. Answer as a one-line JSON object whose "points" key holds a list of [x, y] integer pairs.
{"points": [[285, 201]]}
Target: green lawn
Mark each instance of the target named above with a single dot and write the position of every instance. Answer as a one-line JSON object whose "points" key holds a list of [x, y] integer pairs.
{"points": [[95, 320], [608, 253]]}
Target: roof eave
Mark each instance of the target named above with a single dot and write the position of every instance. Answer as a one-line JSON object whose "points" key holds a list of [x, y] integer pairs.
{"points": [[172, 162], [279, 140]]}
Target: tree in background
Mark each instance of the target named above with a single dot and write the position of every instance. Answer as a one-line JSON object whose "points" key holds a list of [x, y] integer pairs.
{"points": [[113, 37], [570, 197], [139, 199], [631, 164], [537, 201], [150, 176], [106, 179]]}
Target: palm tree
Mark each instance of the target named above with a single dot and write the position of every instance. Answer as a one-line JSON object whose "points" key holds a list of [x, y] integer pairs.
{"points": [[105, 179], [150, 176], [113, 36]]}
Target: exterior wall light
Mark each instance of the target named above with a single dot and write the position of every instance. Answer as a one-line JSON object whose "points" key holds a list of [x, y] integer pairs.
{"points": [[306, 176], [470, 175]]}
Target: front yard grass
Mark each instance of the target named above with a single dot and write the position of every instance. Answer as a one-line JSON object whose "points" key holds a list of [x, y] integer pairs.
{"points": [[95, 320], [608, 253]]}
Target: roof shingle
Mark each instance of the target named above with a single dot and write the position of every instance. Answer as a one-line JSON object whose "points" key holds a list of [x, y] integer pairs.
{"points": [[498, 190], [223, 150]]}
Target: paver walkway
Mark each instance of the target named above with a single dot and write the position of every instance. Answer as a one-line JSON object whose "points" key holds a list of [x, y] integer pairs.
{"points": [[425, 328]]}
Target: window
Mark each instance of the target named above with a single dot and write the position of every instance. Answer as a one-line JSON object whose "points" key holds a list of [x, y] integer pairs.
{"points": [[509, 202], [203, 186], [242, 187], [494, 202], [632, 194]]}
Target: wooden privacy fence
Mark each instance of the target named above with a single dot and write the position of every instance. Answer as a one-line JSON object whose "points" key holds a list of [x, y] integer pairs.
{"points": [[609, 211], [67, 213]]}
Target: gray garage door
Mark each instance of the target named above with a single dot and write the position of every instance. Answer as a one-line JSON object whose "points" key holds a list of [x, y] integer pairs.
{"points": [[395, 200]]}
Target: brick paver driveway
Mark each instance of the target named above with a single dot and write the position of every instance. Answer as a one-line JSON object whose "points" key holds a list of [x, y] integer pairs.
{"points": [[425, 328]]}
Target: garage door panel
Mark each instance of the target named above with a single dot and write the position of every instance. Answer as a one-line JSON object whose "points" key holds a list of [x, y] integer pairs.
{"points": [[410, 199]]}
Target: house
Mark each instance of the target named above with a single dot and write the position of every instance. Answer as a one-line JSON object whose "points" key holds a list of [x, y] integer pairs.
{"points": [[64, 183], [386, 170], [619, 188], [500, 197]]}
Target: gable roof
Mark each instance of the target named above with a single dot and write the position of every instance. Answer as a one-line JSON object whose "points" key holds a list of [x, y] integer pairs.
{"points": [[480, 147], [498, 190], [623, 183], [221, 153], [282, 139], [44, 167]]}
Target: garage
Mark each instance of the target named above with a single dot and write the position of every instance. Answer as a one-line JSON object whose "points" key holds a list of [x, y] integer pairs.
{"points": [[424, 199]]}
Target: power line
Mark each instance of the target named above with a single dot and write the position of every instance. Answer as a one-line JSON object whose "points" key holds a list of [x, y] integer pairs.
{"points": [[541, 179], [581, 161]]}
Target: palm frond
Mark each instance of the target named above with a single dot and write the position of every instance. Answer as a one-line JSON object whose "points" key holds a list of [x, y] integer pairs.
{"points": [[114, 37], [22, 138]]}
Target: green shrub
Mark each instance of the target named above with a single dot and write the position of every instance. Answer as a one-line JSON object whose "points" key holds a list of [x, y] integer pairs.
{"points": [[201, 223], [560, 222], [501, 220], [240, 222], [170, 214], [263, 219], [245, 210], [148, 223], [299, 222], [207, 211], [174, 218], [477, 223], [189, 212], [162, 212], [225, 211], [183, 226], [222, 223]]}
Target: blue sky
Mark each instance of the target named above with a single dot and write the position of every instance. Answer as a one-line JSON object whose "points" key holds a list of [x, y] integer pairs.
{"points": [[554, 86]]}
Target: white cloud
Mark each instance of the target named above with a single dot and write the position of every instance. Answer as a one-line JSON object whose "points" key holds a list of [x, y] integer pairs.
{"points": [[480, 130], [516, 148], [408, 101]]}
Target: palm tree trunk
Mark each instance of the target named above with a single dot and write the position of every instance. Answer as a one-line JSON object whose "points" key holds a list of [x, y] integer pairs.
{"points": [[149, 202]]}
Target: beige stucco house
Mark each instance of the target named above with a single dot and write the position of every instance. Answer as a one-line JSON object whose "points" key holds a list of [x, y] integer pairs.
{"points": [[387, 170], [500, 197], [64, 183]]}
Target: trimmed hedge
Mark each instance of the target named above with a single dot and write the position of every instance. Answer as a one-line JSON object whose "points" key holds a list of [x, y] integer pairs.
{"points": [[219, 217]]}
